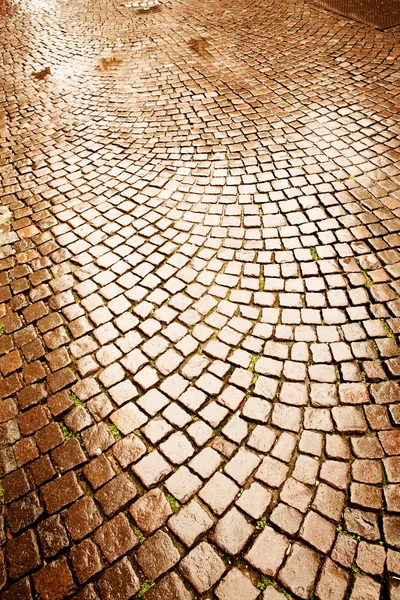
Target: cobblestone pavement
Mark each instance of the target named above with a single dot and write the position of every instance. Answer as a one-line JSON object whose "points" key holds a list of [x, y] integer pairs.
{"points": [[200, 284]]}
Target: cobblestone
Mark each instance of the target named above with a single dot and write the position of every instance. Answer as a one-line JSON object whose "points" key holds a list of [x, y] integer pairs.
{"points": [[199, 302]]}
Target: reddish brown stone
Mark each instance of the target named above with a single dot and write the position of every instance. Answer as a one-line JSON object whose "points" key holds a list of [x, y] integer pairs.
{"points": [[367, 471], [82, 518], [386, 392], [32, 352], [329, 501], [9, 386], [371, 558], [60, 403], [392, 469], [30, 395], [367, 496], [119, 581], [333, 582], [116, 538], [170, 587], [15, 485], [22, 554], [268, 551], [11, 322], [53, 536], [365, 588], [202, 567], [390, 441], [97, 439], [116, 494], [9, 432], [69, 455], [344, 550], [10, 363], [25, 451], [42, 470], [318, 532], [367, 447], [88, 593], [129, 450], [362, 523], [61, 379], [33, 372], [49, 437], [236, 586], [61, 492], [86, 560], [157, 555], [3, 571], [391, 530], [32, 420], [300, 571], [151, 511], [8, 410], [23, 513], [393, 561], [98, 471], [54, 581], [18, 591]]}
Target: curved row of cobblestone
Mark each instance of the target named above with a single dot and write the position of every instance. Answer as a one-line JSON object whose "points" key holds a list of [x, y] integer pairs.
{"points": [[200, 302]]}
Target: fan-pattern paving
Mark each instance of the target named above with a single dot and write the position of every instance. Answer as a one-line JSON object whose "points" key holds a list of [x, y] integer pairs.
{"points": [[200, 302]]}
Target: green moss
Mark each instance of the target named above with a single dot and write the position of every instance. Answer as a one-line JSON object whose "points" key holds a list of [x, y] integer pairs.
{"points": [[264, 583], [1, 494], [389, 331], [115, 432], [68, 435], [261, 523], [375, 345], [173, 502], [339, 529], [1, 328], [314, 254], [139, 534], [337, 373], [75, 399], [89, 491], [156, 307], [368, 280], [195, 418], [144, 588], [253, 362], [137, 432]]}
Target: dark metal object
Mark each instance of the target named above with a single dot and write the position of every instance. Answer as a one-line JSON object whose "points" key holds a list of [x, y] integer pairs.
{"points": [[378, 13]]}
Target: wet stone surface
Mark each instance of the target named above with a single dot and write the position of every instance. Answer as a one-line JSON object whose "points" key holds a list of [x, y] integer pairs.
{"points": [[199, 302]]}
